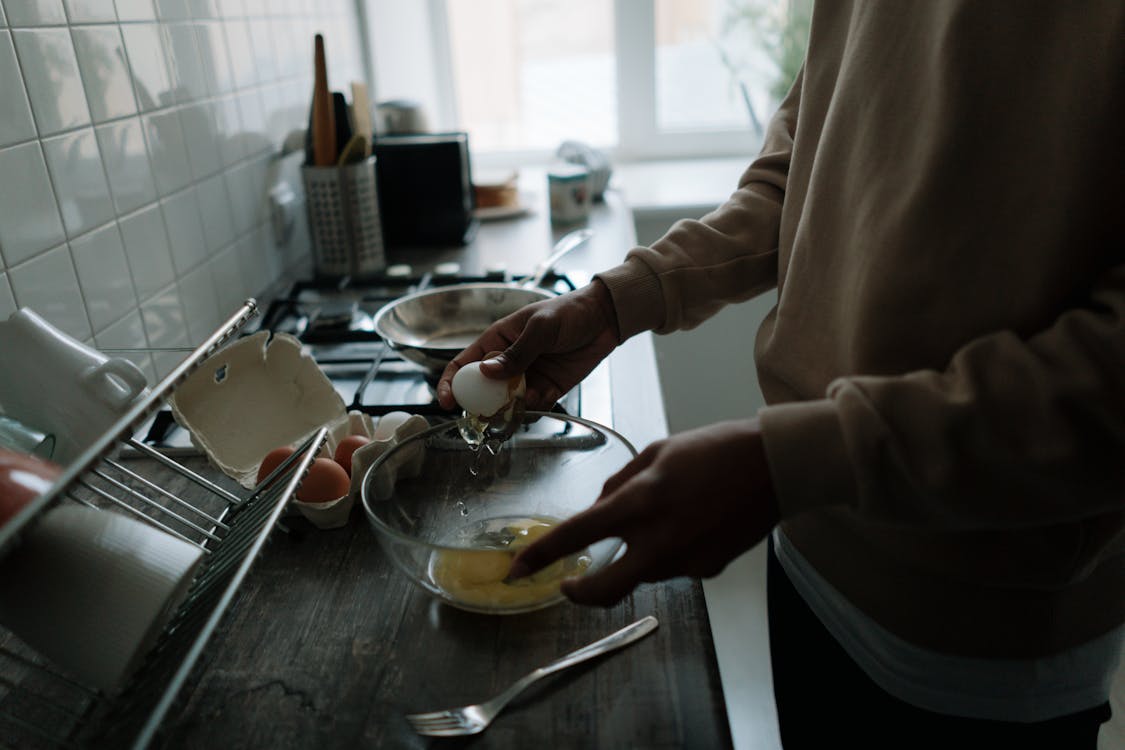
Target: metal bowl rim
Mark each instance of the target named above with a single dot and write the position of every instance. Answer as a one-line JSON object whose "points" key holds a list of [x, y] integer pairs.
{"points": [[388, 308]]}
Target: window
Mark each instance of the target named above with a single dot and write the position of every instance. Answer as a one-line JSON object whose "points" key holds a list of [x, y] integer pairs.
{"points": [[522, 84], [642, 78]]}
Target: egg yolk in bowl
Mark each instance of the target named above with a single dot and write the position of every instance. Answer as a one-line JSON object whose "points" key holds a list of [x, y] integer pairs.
{"points": [[478, 575]]}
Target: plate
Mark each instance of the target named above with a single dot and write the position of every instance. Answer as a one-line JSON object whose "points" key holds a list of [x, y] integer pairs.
{"points": [[498, 213]]}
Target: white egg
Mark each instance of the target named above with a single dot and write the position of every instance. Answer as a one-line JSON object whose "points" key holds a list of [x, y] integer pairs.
{"points": [[387, 425], [483, 396]]}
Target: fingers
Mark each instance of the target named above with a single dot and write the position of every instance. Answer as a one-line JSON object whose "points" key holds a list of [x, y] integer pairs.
{"points": [[609, 586], [471, 353], [605, 518], [491, 340], [445, 386], [538, 334], [514, 358], [629, 470], [576, 533]]}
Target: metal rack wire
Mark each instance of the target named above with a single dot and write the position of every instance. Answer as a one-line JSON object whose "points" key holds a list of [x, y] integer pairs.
{"points": [[40, 705]]}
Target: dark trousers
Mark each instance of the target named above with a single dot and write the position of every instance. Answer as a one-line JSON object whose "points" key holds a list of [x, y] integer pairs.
{"points": [[825, 701]]}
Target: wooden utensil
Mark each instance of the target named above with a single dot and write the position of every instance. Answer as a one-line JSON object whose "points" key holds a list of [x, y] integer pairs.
{"points": [[355, 150], [323, 116], [361, 115]]}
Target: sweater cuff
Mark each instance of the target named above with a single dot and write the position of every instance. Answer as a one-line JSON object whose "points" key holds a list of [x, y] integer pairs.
{"points": [[637, 297], [808, 456]]}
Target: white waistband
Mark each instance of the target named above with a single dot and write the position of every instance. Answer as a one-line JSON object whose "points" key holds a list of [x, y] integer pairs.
{"points": [[1024, 690]]}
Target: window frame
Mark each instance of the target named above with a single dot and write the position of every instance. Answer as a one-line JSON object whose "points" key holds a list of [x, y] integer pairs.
{"points": [[638, 136]]}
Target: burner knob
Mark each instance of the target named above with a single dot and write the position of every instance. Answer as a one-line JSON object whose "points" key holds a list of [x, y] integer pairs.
{"points": [[399, 271], [498, 271]]}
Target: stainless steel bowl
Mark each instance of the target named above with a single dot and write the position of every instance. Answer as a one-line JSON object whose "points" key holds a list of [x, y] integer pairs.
{"points": [[432, 327]]}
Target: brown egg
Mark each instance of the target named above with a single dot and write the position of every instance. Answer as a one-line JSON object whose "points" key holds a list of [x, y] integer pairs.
{"points": [[272, 460], [325, 482], [347, 447]]}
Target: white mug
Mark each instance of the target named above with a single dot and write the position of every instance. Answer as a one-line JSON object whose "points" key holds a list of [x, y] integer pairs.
{"points": [[92, 589], [53, 383]]}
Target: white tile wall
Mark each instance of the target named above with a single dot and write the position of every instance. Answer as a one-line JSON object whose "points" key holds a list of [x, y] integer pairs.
{"points": [[201, 303], [135, 10], [7, 301], [147, 250], [185, 230], [148, 65], [34, 12], [75, 166], [29, 217], [15, 116], [123, 335], [201, 139], [47, 284], [101, 60], [90, 11], [137, 147], [125, 158], [51, 78], [103, 275], [165, 326], [215, 205]]}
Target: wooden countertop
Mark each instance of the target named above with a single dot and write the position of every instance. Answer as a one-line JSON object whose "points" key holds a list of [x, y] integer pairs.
{"points": [[329, 645]]}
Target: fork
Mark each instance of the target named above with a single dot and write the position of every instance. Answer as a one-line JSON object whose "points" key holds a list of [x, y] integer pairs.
{"points": [[473, 719]]}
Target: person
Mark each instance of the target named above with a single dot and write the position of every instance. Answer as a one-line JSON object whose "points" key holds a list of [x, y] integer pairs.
{"points": [[940, 466]]}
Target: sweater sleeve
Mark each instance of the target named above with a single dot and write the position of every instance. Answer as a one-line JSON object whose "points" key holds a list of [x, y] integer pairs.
{"points": [[1015, 432], [729, 255]]}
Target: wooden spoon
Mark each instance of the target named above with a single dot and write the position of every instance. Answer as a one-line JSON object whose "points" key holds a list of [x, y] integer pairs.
{"points": [[323, 117]]}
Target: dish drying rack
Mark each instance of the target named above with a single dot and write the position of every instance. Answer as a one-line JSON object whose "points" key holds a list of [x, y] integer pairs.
{"points": [[40, 706]]}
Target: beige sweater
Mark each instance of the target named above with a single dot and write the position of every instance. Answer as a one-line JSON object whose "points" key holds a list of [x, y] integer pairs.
{"points": [[939, 203]]}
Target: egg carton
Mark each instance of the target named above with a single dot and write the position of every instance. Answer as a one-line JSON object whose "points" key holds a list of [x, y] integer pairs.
{"points": [[265, 392]]}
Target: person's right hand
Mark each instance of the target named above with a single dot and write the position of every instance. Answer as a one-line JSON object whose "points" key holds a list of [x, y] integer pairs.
{"points": [[554, 343]]}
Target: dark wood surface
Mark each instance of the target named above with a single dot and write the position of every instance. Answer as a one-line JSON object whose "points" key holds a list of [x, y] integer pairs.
{"points": [[330, 645]]}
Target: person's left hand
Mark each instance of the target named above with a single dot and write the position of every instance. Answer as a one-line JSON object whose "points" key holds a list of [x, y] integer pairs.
{"points": [[687, 505]]}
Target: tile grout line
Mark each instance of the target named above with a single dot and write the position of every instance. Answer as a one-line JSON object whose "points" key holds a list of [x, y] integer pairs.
{"points": [[277, 90], [105, 175], [54, 193]]}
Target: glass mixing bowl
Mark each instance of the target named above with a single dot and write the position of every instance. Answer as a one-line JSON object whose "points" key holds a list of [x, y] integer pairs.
{"points": [[451, 516]]}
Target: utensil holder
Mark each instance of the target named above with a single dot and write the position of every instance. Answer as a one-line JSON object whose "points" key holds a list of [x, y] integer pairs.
{"points": [[343, 206]]}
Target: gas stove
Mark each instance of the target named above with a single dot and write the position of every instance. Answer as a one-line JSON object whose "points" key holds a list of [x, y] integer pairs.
{"points": [[334, 322]]}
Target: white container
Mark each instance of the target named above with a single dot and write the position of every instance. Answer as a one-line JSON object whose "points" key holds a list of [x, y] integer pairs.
{"points": [[58, 385], [259, 394], [344, 220], [569, 188], [91, 590]]}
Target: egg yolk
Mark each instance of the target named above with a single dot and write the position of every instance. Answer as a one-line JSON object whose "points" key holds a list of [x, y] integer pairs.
{"points": [[478, 577]]}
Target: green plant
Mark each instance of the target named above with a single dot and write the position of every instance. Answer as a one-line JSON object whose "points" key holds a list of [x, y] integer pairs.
{"points": [[781, 27]]}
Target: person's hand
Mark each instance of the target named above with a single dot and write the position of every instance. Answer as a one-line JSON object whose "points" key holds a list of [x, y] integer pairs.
{"points": [[686, 506], [554, 343]]}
